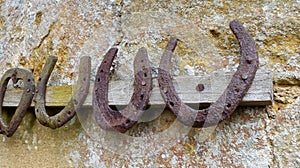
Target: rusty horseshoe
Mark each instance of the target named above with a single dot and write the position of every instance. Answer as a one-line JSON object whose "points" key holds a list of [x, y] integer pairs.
{"points": [[79, 94], [122, 120], [16, 74], [229, 100]]}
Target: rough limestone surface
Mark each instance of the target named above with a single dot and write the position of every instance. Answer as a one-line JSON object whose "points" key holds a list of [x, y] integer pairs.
{"points": [[30, 31]]}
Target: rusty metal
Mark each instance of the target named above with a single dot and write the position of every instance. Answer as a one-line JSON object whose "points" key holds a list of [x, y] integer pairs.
{"points": [[15, 75], [122, 120], [229, 100], [78, 96]]}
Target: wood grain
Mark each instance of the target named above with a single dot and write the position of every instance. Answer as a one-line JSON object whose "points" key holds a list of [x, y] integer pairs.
{"points": [[259, 94]]}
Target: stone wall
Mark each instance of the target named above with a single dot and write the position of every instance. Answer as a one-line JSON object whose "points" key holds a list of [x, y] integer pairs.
{"points": [[252, 137]]}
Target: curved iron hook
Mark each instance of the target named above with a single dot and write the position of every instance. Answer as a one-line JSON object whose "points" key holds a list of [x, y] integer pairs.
{"points": [[78, 97], [229, 100], [121, 121], [16, 74]]}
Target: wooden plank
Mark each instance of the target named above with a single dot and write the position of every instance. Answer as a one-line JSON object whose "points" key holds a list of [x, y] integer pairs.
{"points": [[260, 93]]}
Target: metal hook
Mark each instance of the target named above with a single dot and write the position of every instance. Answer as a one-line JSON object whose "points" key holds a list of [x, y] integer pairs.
{"points": [[229, 100], [78, 97], [16, 74], [121, 121]]}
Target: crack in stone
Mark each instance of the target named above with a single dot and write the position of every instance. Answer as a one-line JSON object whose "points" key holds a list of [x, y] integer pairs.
{"points": [[45, 36]]}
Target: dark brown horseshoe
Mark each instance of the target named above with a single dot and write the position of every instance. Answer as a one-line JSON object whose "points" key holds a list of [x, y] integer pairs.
{"points": [[229, 100], [28, 93], [121, 121], [78, 96]]}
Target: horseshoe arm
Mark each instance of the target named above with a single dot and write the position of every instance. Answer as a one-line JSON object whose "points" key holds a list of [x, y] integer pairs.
{"points": [[233, 94], [121, 121], [82, 86]]}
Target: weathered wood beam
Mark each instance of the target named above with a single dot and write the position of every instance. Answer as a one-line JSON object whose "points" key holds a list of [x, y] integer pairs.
{"points": [[260, 92]]}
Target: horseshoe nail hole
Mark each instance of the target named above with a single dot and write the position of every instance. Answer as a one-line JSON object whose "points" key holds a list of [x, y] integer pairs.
{"points": [[145, 75], [69, 113], [248, 61], [245, 76], [224, 114], [58, 121], [75, 102], [237, 90], [142, 97], [172, 104], [28, 80], [200, 87], [142, 60], [37, 110], [39, 79], [101, 70], [98, 79], [104, 62], [228, 105]]}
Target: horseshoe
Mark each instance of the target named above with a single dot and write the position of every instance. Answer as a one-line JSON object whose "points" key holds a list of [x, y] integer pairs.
{"points": [[123, 120], [16, 74], [229, 100], [78, 97]]}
